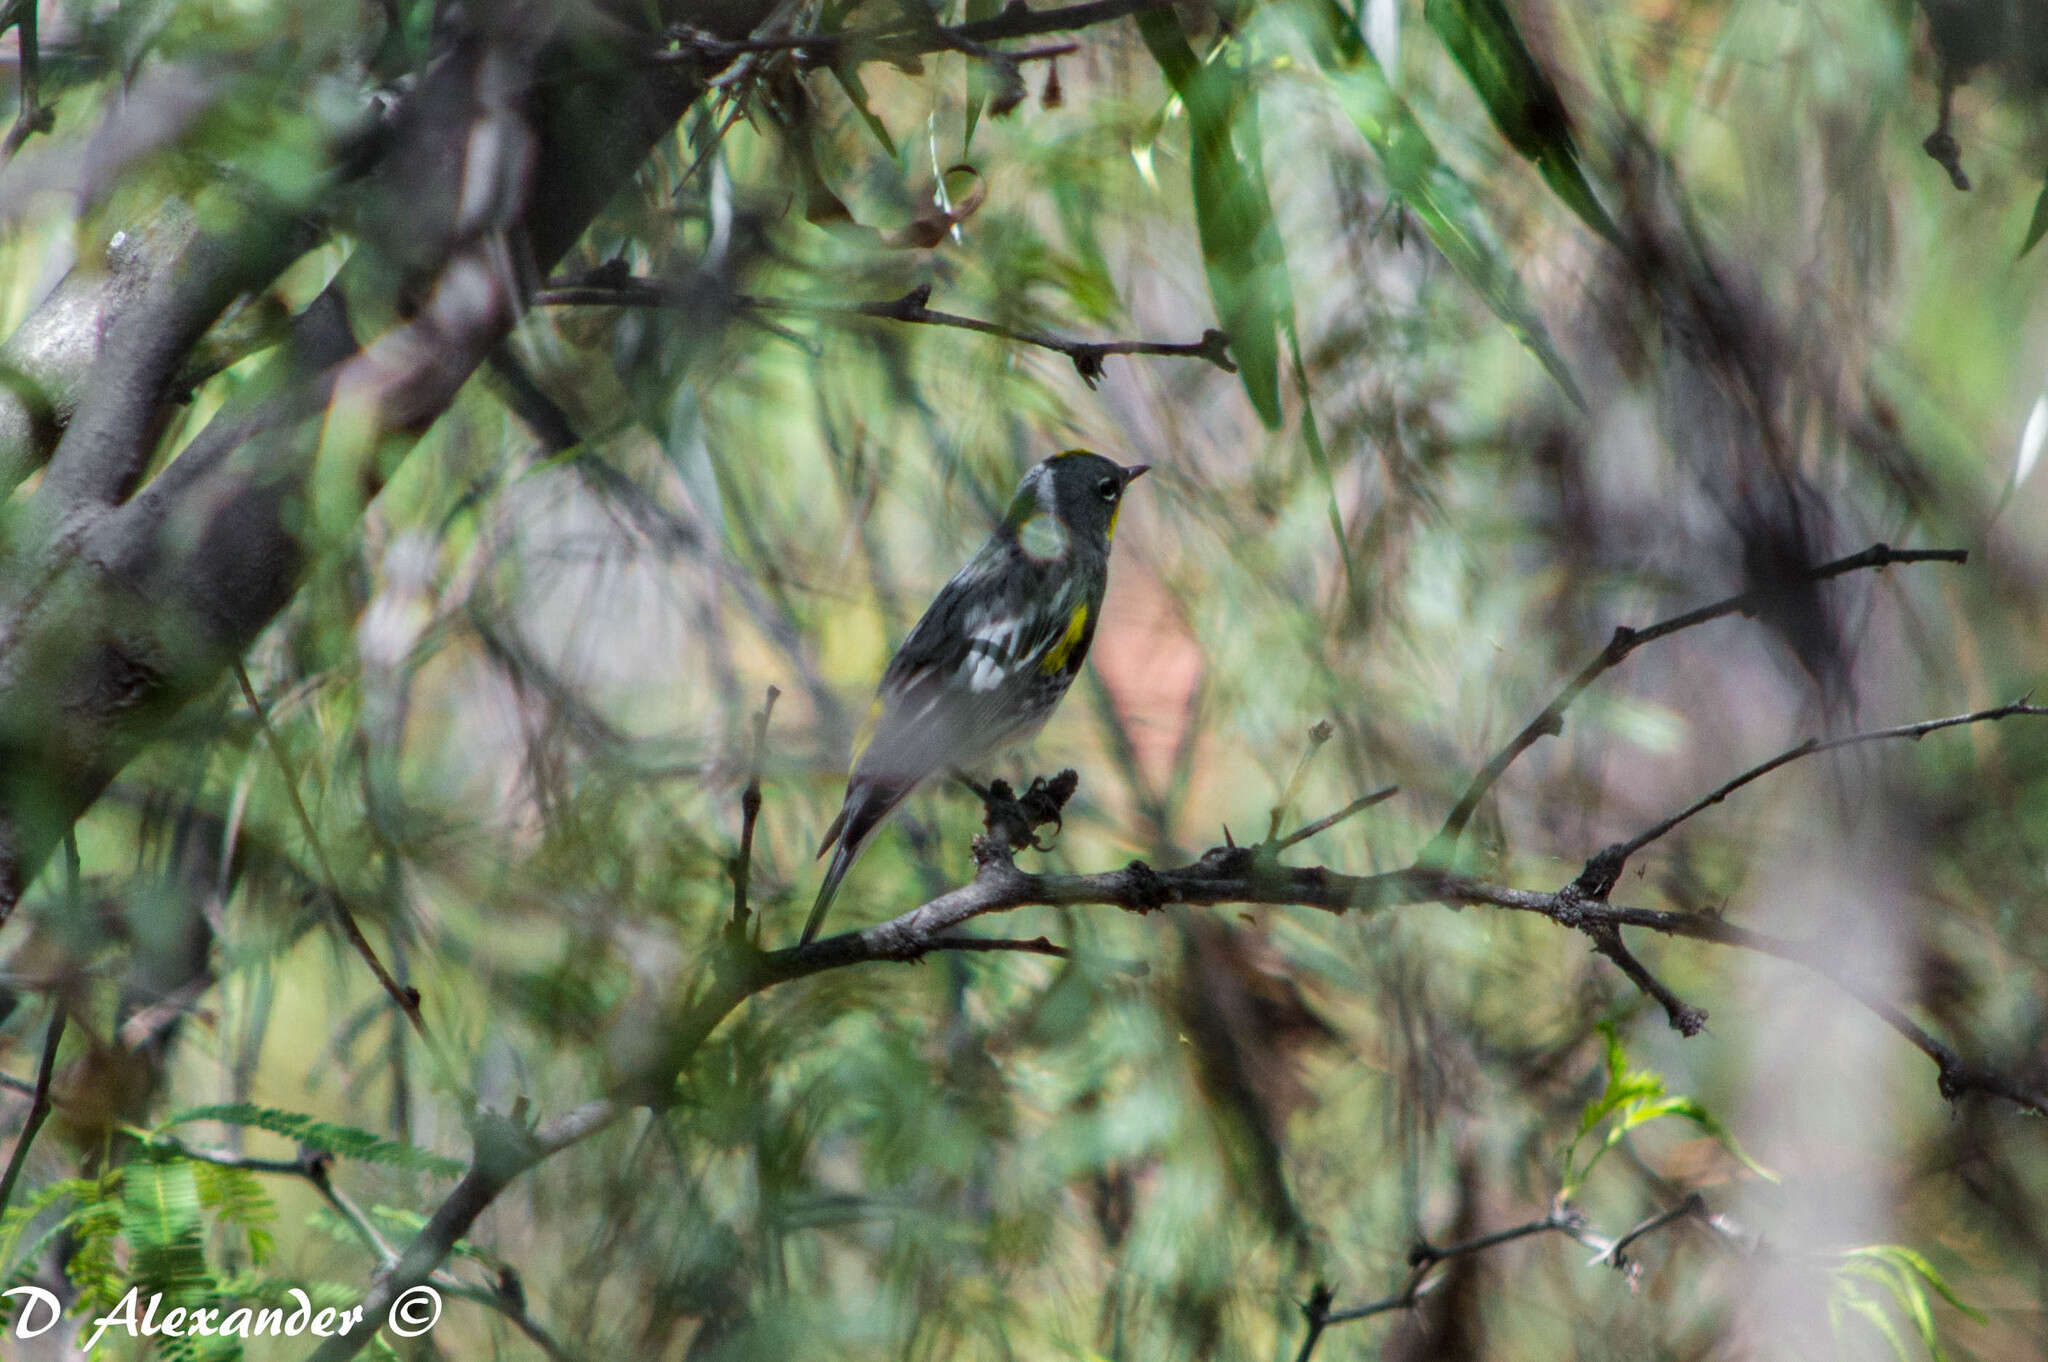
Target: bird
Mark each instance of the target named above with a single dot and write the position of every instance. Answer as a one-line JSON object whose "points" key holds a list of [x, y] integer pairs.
{"points": [[992, 655]]}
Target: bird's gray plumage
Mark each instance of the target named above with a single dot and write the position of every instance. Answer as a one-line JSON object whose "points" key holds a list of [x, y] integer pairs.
{"points": [[993, 653]]}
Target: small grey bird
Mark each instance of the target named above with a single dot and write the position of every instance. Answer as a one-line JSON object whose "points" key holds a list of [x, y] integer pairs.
{"points": [[993, 654]]}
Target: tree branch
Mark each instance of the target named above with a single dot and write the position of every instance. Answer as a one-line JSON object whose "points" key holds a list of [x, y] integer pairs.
{"points": [[907, 40], [118, 628], [1686, 1019], [603, 288], [1550, 722], [1424, 1259], [750, 810], [505, 1148], [405, 997], [1623, 850], [1248, 875], [33, 118], [38, 1107]]}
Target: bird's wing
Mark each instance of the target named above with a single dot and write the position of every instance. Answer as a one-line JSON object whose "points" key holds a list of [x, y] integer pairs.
{"points": [[959, 685]]}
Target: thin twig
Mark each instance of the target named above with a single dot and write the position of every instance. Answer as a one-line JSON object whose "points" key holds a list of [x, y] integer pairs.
{"points": [[38, 1107], [1037, 945], [508, 1298], [1328, 821], [407, 998], [1424, 1259], [33, 118], [603, 289], [1806, 749], [750, 810], [1686, 1020], [1428, 1255], [1550, 722], [1616, 1253], [1319, 733]]}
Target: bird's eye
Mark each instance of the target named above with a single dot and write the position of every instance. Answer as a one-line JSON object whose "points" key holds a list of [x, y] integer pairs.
{"points": [[1109, 489]]}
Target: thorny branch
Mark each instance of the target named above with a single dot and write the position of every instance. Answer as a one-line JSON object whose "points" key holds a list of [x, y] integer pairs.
{"points": [[1550, 722], [610, 287]]}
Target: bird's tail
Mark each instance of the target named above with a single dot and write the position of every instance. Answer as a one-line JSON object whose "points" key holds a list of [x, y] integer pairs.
{"points": [[842, 861], [867, 804]]}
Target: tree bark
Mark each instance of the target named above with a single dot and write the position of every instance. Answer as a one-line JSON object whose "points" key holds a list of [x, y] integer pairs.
{"points": [[117, 610]]}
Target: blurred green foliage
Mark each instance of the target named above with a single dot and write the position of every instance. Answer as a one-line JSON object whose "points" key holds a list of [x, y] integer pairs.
{"points": [[517, 702]]}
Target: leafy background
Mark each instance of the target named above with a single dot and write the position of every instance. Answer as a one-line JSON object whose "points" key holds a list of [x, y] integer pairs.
{"points": [[1545, 319]]}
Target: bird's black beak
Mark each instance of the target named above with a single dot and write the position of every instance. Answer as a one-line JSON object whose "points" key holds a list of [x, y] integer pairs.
{"points": [[1134, 472]]}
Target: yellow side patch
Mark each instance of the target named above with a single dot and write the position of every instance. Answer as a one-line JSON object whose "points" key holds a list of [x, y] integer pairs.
{"points": [[1077, 625], [865, 734]]}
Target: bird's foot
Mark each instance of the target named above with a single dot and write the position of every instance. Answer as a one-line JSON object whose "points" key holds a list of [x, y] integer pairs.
{"points": [[1013, 820]]}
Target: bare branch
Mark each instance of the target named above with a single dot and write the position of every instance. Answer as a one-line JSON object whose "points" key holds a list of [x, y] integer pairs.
{"points": [[1616, 1253], [1686, 1019], [606, 288], [903, 42], [505, 1148], [1424, 1259], [38, 1107], [405, 996], [1622, 851], [1550, 722], [34, 117], [1242, 875], [750, 810], [1328, 821], [1037, 945]]}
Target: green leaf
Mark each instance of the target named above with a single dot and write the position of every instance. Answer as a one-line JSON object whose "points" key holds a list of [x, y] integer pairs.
{"points": [[1312, 437], [977, 78], [857, 91], [1523, 102], [18, 1218], [93, 1266], [1911, 1260], [1634, 1098], [1241, 250], [161, 1225], [238, 1202], [1430, 189], [343, 1141], [1874, 1314], [2038, 228]]}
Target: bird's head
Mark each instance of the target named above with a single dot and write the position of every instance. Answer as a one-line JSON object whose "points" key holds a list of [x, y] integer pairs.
{"points": [[1071, 497]]}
